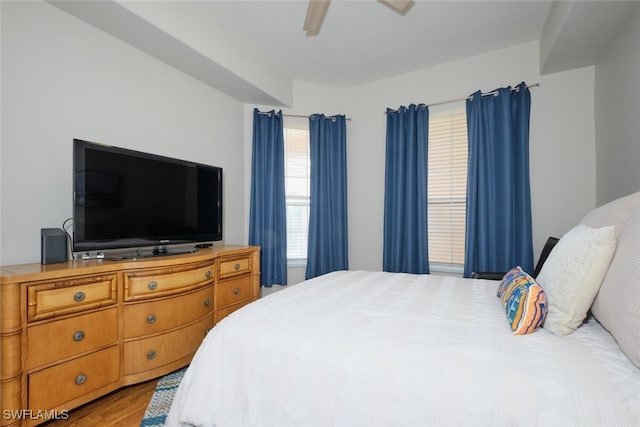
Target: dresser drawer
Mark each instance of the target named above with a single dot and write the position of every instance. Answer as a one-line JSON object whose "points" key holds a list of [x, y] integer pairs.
{"points": [[46, 300], [54, 386], [229, 267], [233, 291], [60, 339], [148, 353], [163, 282], [157, 316]]}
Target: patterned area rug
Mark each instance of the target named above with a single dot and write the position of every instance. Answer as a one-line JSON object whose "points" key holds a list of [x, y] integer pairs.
{"points": [[158, 409]]}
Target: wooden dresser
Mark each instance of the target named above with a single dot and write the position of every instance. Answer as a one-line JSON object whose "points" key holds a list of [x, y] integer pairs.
{"points": [[72, 332]]}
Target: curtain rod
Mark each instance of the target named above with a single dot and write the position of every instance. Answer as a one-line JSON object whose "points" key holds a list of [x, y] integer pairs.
{"points": [[298, 115], [493, 92]]}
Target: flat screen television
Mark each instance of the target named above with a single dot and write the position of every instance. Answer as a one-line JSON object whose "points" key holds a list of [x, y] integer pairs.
{"points": [[128, 199]]}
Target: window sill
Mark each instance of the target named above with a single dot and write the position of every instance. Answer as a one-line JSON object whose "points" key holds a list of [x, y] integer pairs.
{"points": [[296, 263], [446, 269]]}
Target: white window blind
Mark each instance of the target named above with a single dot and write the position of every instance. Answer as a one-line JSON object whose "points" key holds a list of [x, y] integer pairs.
{"points": [[447, 187], [297, 167]]}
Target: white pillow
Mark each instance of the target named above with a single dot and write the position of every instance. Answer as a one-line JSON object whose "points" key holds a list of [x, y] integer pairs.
{"points": [[572, 275], [617, 306], [614, 213]]}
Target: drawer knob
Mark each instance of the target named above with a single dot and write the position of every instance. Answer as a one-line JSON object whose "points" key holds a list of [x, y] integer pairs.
{"points": [[79, 296], [152, 286], [207, 302], [151, 355], [151, 318], [81, 379], [209, 274], [236, 291], [78, 336], [237, 266]]}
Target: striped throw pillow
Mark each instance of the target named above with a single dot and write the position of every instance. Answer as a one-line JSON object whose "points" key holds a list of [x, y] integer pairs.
{"points": [[524, 301], [507, 279]]}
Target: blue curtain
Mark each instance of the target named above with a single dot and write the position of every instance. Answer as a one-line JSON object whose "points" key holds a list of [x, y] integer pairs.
{"points": [[327, 244], [267, 211], [498, 235], [405, 247]]}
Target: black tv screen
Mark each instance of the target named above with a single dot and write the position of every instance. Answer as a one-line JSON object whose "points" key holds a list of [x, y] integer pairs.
{"points": [[125, 198]]}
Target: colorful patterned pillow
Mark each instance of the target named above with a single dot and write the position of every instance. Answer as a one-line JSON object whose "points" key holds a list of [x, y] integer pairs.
{"points": [[507, 279], [524, 301]]}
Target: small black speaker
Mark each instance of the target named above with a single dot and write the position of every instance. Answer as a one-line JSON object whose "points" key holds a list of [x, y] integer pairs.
{"points": [[53, 245]]}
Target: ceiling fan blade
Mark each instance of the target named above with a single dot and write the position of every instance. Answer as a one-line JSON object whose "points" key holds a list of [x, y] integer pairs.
{"points": [[401, 6], [316, 10]]}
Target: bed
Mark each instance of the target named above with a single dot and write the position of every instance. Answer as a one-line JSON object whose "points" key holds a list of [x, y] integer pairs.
{"points": [[357, 348]]}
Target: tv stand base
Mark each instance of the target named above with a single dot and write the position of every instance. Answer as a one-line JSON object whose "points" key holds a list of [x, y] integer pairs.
{"points": [[156, 252]]}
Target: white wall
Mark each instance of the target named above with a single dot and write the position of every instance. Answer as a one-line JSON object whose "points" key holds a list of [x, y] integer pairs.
{"points": [[64, 79], [562, 141], [617, 115]]}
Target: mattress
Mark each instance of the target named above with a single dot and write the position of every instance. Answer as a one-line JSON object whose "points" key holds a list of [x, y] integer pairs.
{"points": [[357, 348]]}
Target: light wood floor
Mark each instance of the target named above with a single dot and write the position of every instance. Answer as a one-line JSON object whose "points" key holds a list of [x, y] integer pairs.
{"points": [[124, 407]]}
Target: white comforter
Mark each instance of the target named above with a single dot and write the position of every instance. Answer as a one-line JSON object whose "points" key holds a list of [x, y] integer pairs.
{"points": [[381, 349]]}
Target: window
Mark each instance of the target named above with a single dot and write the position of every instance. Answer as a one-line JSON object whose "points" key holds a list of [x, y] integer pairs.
{"points": [[296, 176], [447, 187]]}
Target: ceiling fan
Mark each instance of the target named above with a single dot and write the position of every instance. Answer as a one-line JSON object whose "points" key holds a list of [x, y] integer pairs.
{"points": [[317, 9]]}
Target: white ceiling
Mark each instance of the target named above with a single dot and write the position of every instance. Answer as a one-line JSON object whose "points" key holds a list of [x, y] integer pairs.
{"points": [[254, 49], [361, 40]]}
